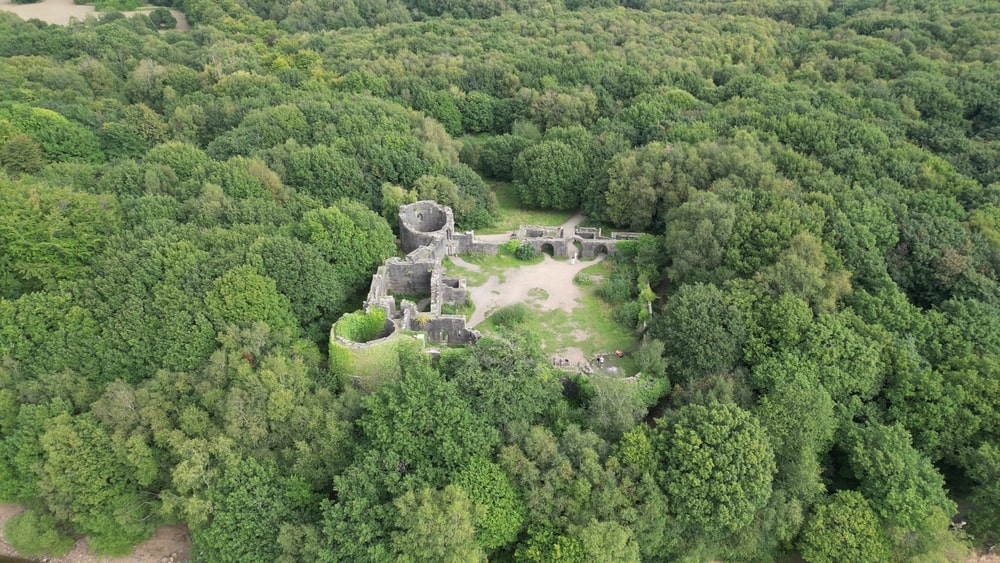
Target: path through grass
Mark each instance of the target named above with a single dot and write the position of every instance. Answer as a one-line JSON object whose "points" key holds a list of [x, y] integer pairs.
{"points": [[589, 327]]}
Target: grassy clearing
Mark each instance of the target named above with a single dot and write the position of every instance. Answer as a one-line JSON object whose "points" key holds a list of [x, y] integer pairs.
{"points": [[472, 279], [512, 215], [589, 328], [489, 265]]}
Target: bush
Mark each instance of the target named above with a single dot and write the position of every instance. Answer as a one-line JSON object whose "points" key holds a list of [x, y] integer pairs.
{"points": [[34, 534], [510, 316], [510, 247], [360, 326], [616, 289], [525, 252], [583, 279]]}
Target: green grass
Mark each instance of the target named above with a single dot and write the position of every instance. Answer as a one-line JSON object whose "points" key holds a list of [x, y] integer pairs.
{"points": [[466, 309], [588, 327], [513, 215], [538, 293], [472, 279], [489, 265]]}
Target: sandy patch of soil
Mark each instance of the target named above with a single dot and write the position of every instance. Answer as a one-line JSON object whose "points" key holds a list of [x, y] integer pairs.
{"points": [[521, 285], [575, 356], [61, 12], [169, 543]]}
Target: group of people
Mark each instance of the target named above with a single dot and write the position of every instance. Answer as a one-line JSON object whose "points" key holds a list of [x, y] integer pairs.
{"points": [[564, 362]]}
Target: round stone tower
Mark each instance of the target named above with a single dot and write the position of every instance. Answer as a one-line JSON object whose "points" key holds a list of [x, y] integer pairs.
{"points": [[424, 223]]}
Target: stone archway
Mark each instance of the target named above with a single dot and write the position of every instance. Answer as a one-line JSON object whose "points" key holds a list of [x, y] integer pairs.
{"points": [[547, 248], [600, 249]]}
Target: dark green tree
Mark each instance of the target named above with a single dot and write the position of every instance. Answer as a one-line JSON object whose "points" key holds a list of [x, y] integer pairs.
{"points": [[702, 333], [717, 468], [549, 175], [844, 528]]}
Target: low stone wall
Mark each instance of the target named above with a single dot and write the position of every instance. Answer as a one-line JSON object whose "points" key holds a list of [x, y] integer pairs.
{"points": [[557, 247], [539, 231], [625, 236]]}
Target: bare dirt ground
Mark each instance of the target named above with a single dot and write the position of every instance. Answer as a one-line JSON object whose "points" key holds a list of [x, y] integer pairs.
{"points": [[547, 286], [62, 11], [169, 543], [554, 277]]}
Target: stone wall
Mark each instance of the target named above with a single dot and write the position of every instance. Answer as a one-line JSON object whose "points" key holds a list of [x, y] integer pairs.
{"points": [[593, 248], [453, 291], [561, 248], [408, 278], [451, 330], [425, 223], [378, 294], [539, 231]]}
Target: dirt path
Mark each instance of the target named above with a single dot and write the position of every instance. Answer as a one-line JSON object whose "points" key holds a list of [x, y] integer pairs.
{"points": [[553, 277], [547, 286], [168, 544], [60, 12]]}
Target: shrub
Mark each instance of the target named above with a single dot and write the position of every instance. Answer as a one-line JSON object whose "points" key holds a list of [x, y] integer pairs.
{"points": [[34, 534], [583, 279], [510, 316], [510, 247], [115, 5], [616, 289], [525, 252], [360, 326]]}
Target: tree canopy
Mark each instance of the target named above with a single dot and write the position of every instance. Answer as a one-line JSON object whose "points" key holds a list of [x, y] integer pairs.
{"points": [[185, 214]]}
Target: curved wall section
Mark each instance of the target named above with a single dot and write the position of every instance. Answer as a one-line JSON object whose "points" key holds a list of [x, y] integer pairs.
{"points": [[423, 223]]}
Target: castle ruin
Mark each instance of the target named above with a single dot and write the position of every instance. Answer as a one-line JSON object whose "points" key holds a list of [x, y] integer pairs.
{"points": [[427, 234]]}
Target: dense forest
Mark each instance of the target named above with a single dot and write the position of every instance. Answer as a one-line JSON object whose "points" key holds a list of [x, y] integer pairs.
{"points": [[184, 214]]}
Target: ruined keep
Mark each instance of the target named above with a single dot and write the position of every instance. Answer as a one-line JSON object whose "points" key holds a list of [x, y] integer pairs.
{"points": [[427, 234]]}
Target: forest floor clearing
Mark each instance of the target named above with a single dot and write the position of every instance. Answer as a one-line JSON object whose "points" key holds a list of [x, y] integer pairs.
{"points": [[169, 543], [60, 12], [571, 321], [512, 215]]}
